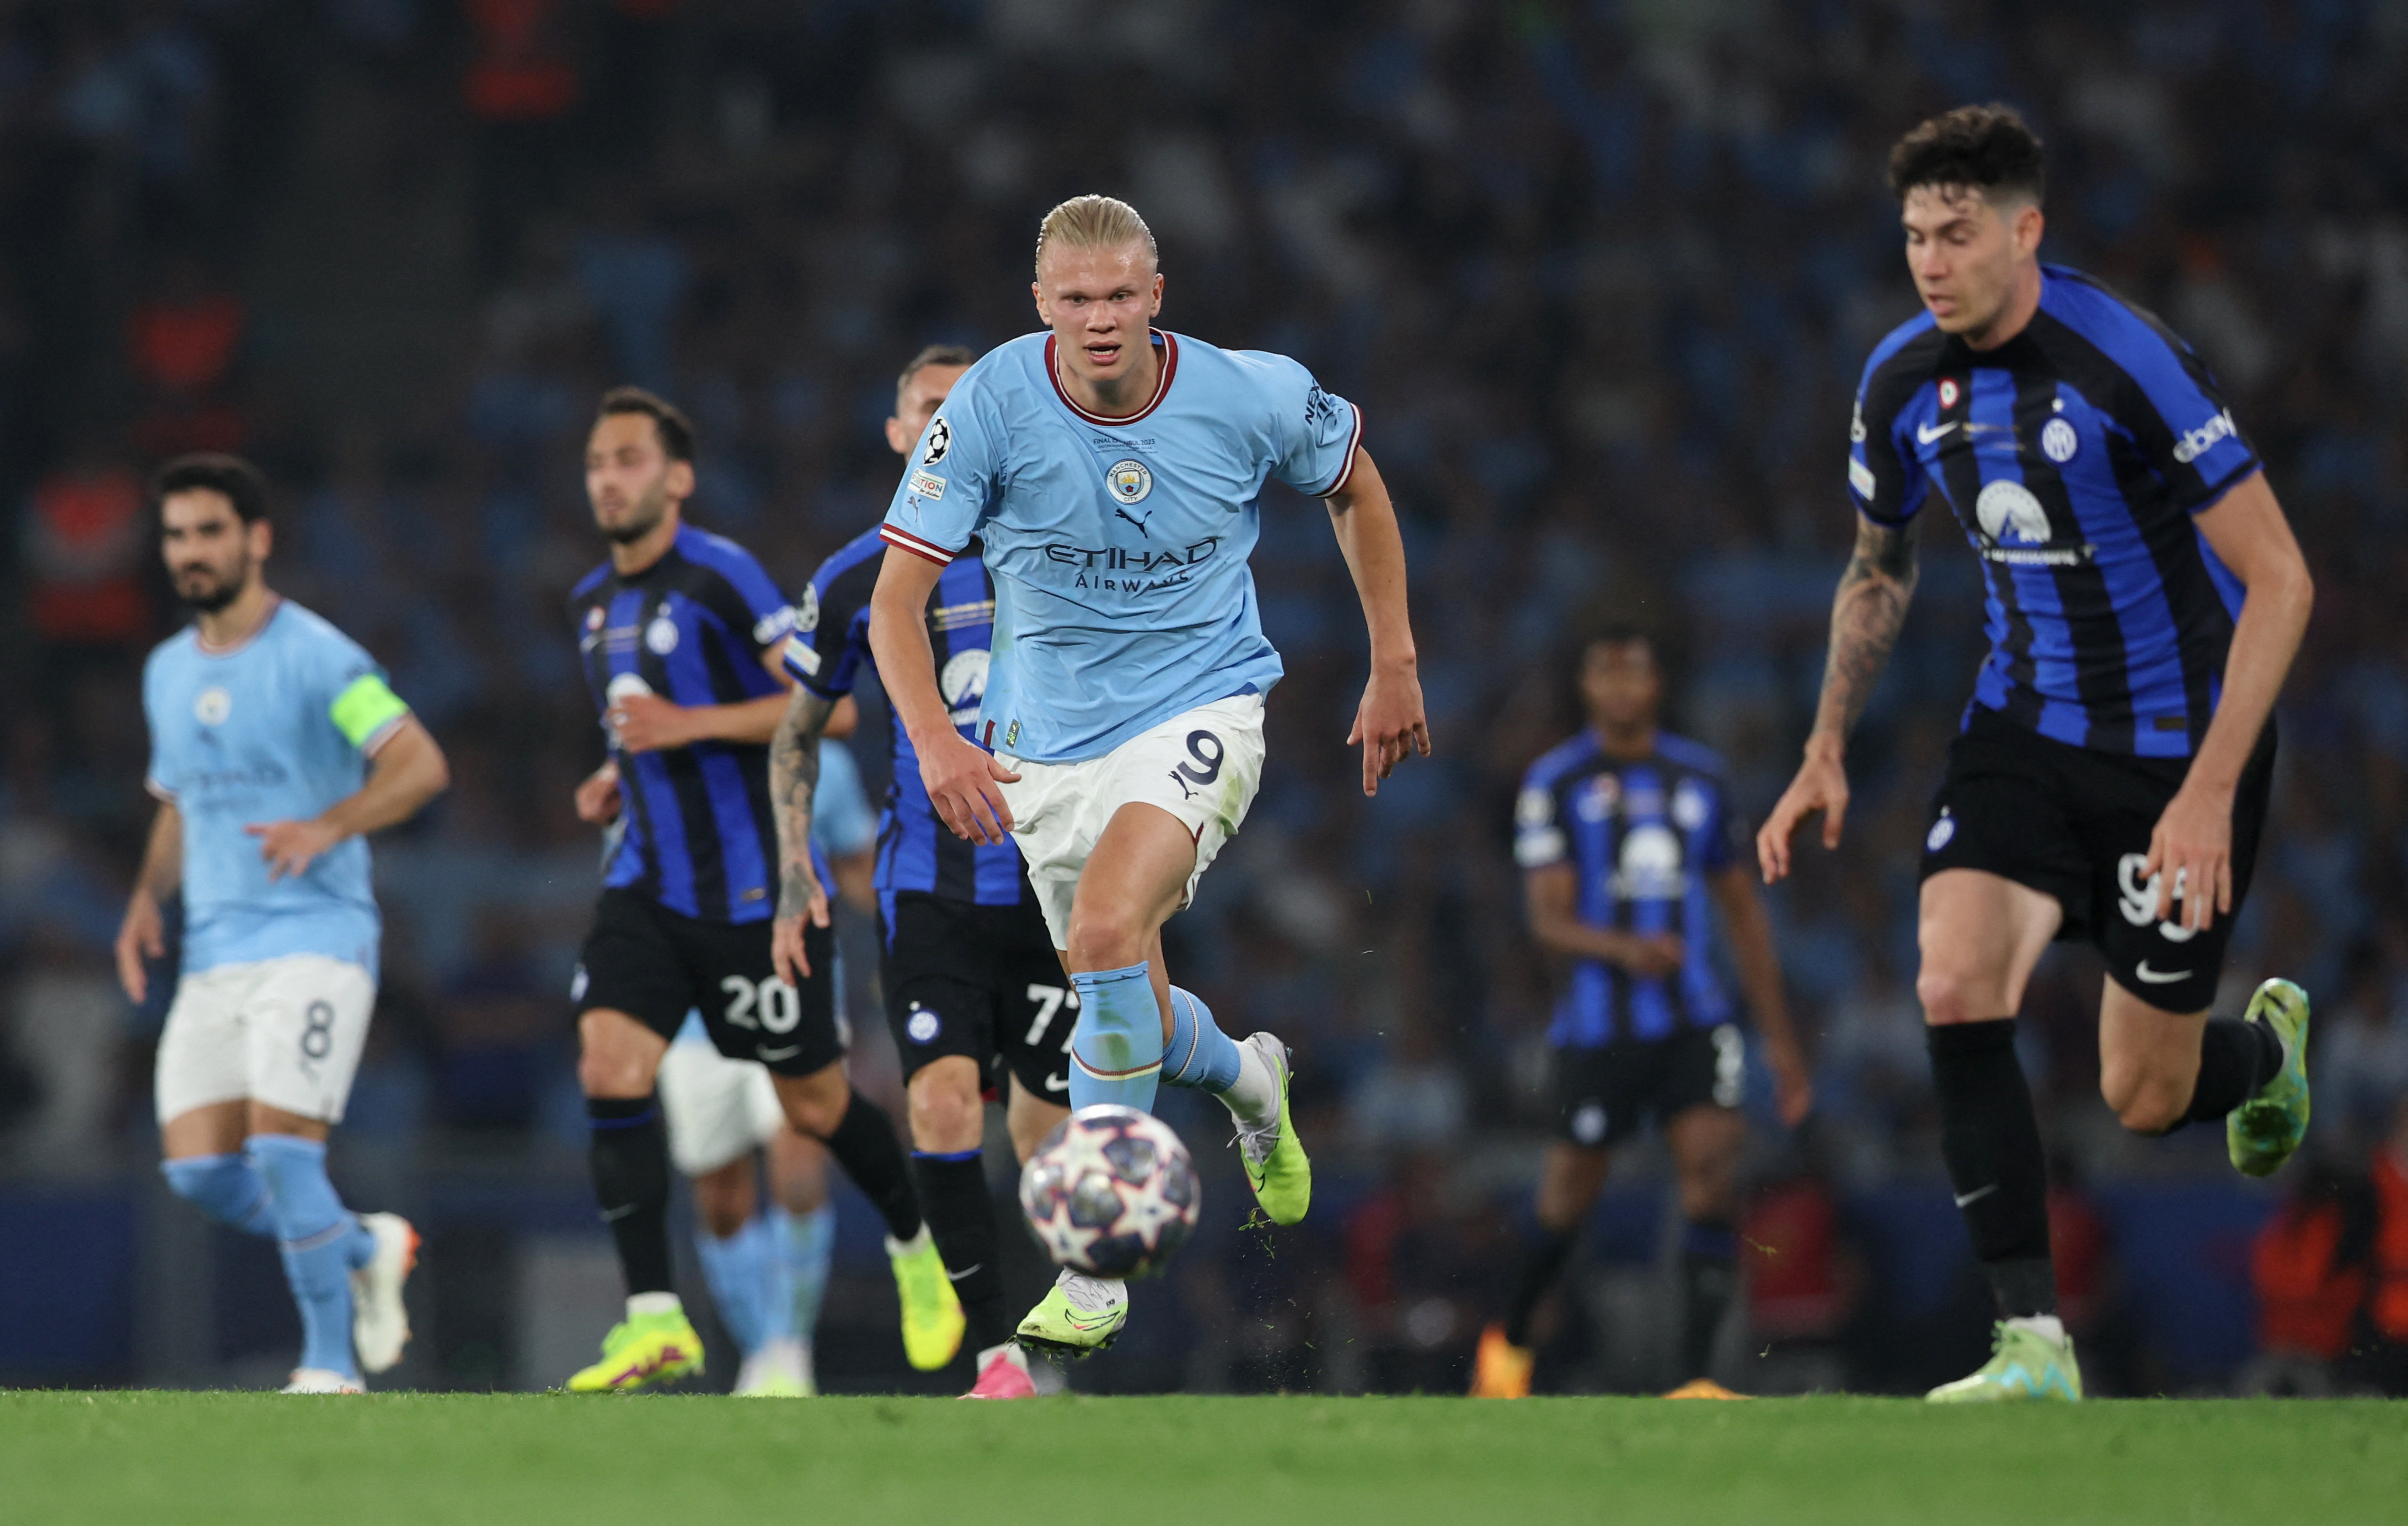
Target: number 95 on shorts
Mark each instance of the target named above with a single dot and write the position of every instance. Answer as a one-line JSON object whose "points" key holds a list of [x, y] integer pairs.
{"points": [[654, 965]]}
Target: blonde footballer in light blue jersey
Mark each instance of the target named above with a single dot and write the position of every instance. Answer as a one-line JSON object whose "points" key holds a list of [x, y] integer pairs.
{"points": [[1112, 474], [276, 747]]}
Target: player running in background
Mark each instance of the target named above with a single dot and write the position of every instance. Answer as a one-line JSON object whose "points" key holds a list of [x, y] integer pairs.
{"points": [[973, 991], [275, 747], [1627, 846], [680, 632], [766, 1264], [1111, 473], [2109, 782]]}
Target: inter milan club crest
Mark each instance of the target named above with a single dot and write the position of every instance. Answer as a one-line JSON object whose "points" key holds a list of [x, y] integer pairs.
{"points": [[2058, 440], [1130, 481]]}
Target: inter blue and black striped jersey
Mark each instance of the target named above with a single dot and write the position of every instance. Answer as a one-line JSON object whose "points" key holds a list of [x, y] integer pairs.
{"points": [[2074, 454], [696, 833], [1643, 837], [916, 851]]}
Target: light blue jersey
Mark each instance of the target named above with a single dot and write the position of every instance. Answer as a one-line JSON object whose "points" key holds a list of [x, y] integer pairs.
{"points": [[275, 729], [1118, 546], [843, 823]]}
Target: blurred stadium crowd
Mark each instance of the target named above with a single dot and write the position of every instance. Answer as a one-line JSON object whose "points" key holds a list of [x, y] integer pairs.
{"points": [[1601, 276]]}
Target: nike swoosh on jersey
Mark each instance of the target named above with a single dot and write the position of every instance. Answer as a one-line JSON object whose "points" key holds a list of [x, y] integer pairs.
{"points": [[771, 1057], [1976, 1195], [2160, 977], [1057, 1082], [1924, 436]]}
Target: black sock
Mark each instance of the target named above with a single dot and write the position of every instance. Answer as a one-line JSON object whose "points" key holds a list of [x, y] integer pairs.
{"points": [[1540, 1266], [2235, 1059], [864, 1143], [961, 1218], [630, 1151], [1990, 1139], [1709, 1276]]}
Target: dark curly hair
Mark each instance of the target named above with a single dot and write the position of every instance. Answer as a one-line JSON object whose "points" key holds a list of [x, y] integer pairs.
{"points": [[1984, 147]]}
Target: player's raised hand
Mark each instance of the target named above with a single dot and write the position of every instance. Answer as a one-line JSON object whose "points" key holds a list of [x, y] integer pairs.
{"points": [[646, 723], [801, 900], [2190, 856], [139, 937], [597, 796], [289, 845], [962, 778], [1389, 723], [1821, 785]]}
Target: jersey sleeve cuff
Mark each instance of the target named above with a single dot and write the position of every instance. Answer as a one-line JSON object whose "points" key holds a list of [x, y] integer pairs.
{"points": [[1540, 848], [159, 792], [382, 734], [1353, 454], [903, 539], [2218, 493]]}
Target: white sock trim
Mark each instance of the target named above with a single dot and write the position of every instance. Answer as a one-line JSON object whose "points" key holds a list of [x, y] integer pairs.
{"points": [[912, 1247], [1008, 1350], [640, 1304], [2048, 1326]]}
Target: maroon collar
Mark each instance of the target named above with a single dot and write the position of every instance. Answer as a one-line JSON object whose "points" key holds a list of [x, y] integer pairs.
{"points": [[1161, 384]]}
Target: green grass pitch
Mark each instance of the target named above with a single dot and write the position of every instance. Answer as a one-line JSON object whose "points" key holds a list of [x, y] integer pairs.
{"points": [[434, 1459]]}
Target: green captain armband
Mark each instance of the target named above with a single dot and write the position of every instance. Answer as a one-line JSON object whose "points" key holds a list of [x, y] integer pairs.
{"points": [[366, 710]]}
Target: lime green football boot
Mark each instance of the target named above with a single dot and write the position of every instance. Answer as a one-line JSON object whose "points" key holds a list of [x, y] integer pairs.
{"points": [[933, 1321], [642, 1351], [2024, 1364], [1078, 1317], [1276, 1166], [2262, 1133]]}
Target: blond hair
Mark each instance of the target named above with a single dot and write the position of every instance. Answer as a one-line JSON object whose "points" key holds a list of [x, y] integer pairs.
{"points": [[1095, 223]]}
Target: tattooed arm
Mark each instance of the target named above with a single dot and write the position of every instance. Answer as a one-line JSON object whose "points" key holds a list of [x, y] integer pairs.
{"points": [[1866, 616], [794, 776]]}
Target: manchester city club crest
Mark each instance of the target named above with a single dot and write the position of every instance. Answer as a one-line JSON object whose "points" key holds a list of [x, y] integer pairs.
{"points": [[1129, 480]]}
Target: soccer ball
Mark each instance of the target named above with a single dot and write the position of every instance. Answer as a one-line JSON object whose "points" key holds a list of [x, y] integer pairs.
{"points": [[1110, 1192]]}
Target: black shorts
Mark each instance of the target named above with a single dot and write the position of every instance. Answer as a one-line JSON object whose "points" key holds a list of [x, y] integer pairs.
{"points": [[1603, 1094], [2074, 824], [981, 980], [653, 964]]}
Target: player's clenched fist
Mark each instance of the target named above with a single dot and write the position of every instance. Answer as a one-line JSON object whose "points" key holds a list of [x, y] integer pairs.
{"points": [[1821, 785], [961, 778]]}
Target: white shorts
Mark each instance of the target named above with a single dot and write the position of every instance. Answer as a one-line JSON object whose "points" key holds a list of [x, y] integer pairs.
{"points": [[719, 1109], [1202, 766], [285, 1031]]}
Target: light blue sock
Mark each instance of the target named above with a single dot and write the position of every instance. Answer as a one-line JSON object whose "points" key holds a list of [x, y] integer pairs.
{"points": [[808, 1242], [224, 1188], [321, 1242], [750, 1283], [1199, 1055], [1116, 1048]]}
